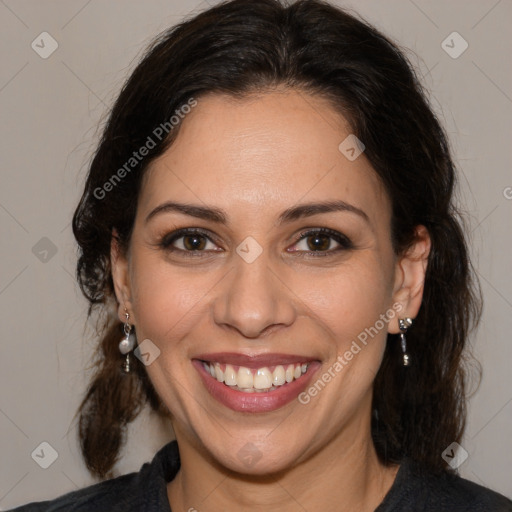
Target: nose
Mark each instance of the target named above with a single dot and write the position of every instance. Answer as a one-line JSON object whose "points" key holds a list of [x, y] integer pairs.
{"points": [[253, 299]]}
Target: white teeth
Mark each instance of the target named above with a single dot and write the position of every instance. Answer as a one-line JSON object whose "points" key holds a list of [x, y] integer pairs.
{"points": [[230, 376], [219, 374], [261, 380], [278, 376], [244, 379]]}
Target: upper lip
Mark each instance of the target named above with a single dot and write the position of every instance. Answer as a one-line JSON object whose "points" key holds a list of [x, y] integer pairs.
{"points": [[253, 361]]}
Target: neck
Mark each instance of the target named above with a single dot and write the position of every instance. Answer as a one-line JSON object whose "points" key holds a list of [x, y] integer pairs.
{"points": [[345, 475]]}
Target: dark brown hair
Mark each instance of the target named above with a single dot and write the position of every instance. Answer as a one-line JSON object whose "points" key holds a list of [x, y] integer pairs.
{"points": [[245, 46]]}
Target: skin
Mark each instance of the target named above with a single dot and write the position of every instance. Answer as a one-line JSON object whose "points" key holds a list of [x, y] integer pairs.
{"points": [[253, 159]]}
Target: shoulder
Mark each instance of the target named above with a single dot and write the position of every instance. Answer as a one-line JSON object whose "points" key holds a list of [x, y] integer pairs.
{"points": [[418, 489], [145, 490], [102, 496], [455, 491]]}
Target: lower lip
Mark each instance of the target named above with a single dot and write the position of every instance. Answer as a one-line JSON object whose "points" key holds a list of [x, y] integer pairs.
{"points": [[255, 402]]}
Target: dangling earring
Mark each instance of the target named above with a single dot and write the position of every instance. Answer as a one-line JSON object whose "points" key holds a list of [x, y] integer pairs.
{"points": [[404, 324], [127, 344]]}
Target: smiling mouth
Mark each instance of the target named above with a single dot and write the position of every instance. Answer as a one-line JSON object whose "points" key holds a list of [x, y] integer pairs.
{"points": [[255, 380]]}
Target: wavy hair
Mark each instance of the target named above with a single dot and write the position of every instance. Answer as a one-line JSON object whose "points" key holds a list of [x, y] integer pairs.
{"points": [[244, 46]]}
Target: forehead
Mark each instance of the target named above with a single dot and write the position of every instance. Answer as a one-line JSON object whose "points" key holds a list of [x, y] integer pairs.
{"points": [[265, 151]]}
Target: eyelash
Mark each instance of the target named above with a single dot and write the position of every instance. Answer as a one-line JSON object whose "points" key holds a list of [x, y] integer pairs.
{"points": [[342, 240]]}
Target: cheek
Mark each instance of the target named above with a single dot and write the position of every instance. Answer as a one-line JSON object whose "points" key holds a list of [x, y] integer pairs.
{"points": [[168, 306], [348, 299], [169, 300], [166, 300]]}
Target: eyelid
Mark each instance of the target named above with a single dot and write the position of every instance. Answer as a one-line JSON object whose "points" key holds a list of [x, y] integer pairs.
{"points": [[343, 241], [178, 233]]}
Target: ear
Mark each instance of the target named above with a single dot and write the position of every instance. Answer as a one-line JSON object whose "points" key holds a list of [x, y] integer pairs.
{"points": [[121, 277], [410, 272]]}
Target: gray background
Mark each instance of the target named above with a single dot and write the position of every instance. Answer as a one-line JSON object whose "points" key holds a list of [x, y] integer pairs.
{"points": [[50, 112]]}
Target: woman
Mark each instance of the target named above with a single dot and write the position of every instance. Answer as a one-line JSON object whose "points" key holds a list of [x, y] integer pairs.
{"points": [[269, 215]]}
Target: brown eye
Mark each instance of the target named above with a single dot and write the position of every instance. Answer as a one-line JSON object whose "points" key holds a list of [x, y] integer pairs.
{"points": [[318, 242], [322, 241], [188, 241], [194, 242]]}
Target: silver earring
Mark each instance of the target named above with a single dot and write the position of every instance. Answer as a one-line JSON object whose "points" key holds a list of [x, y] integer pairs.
{"points": [[404, 324], [127, 344]]}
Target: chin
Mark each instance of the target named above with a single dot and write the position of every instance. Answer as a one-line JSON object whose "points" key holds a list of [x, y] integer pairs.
{"points": [[248, 458]]}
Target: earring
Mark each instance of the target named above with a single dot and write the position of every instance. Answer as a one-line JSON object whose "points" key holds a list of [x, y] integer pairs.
{"points": [[127, 344], [404, 324]]}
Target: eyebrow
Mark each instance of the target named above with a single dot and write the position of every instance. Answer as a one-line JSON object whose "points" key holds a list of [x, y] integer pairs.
{"points": [[309, 209], [289, 215]]}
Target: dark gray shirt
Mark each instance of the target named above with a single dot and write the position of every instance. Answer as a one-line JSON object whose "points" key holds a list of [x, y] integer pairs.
{"points": [[414, 490]]}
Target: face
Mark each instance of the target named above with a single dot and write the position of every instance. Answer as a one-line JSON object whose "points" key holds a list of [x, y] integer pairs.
{"points": [[262, 254]]}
